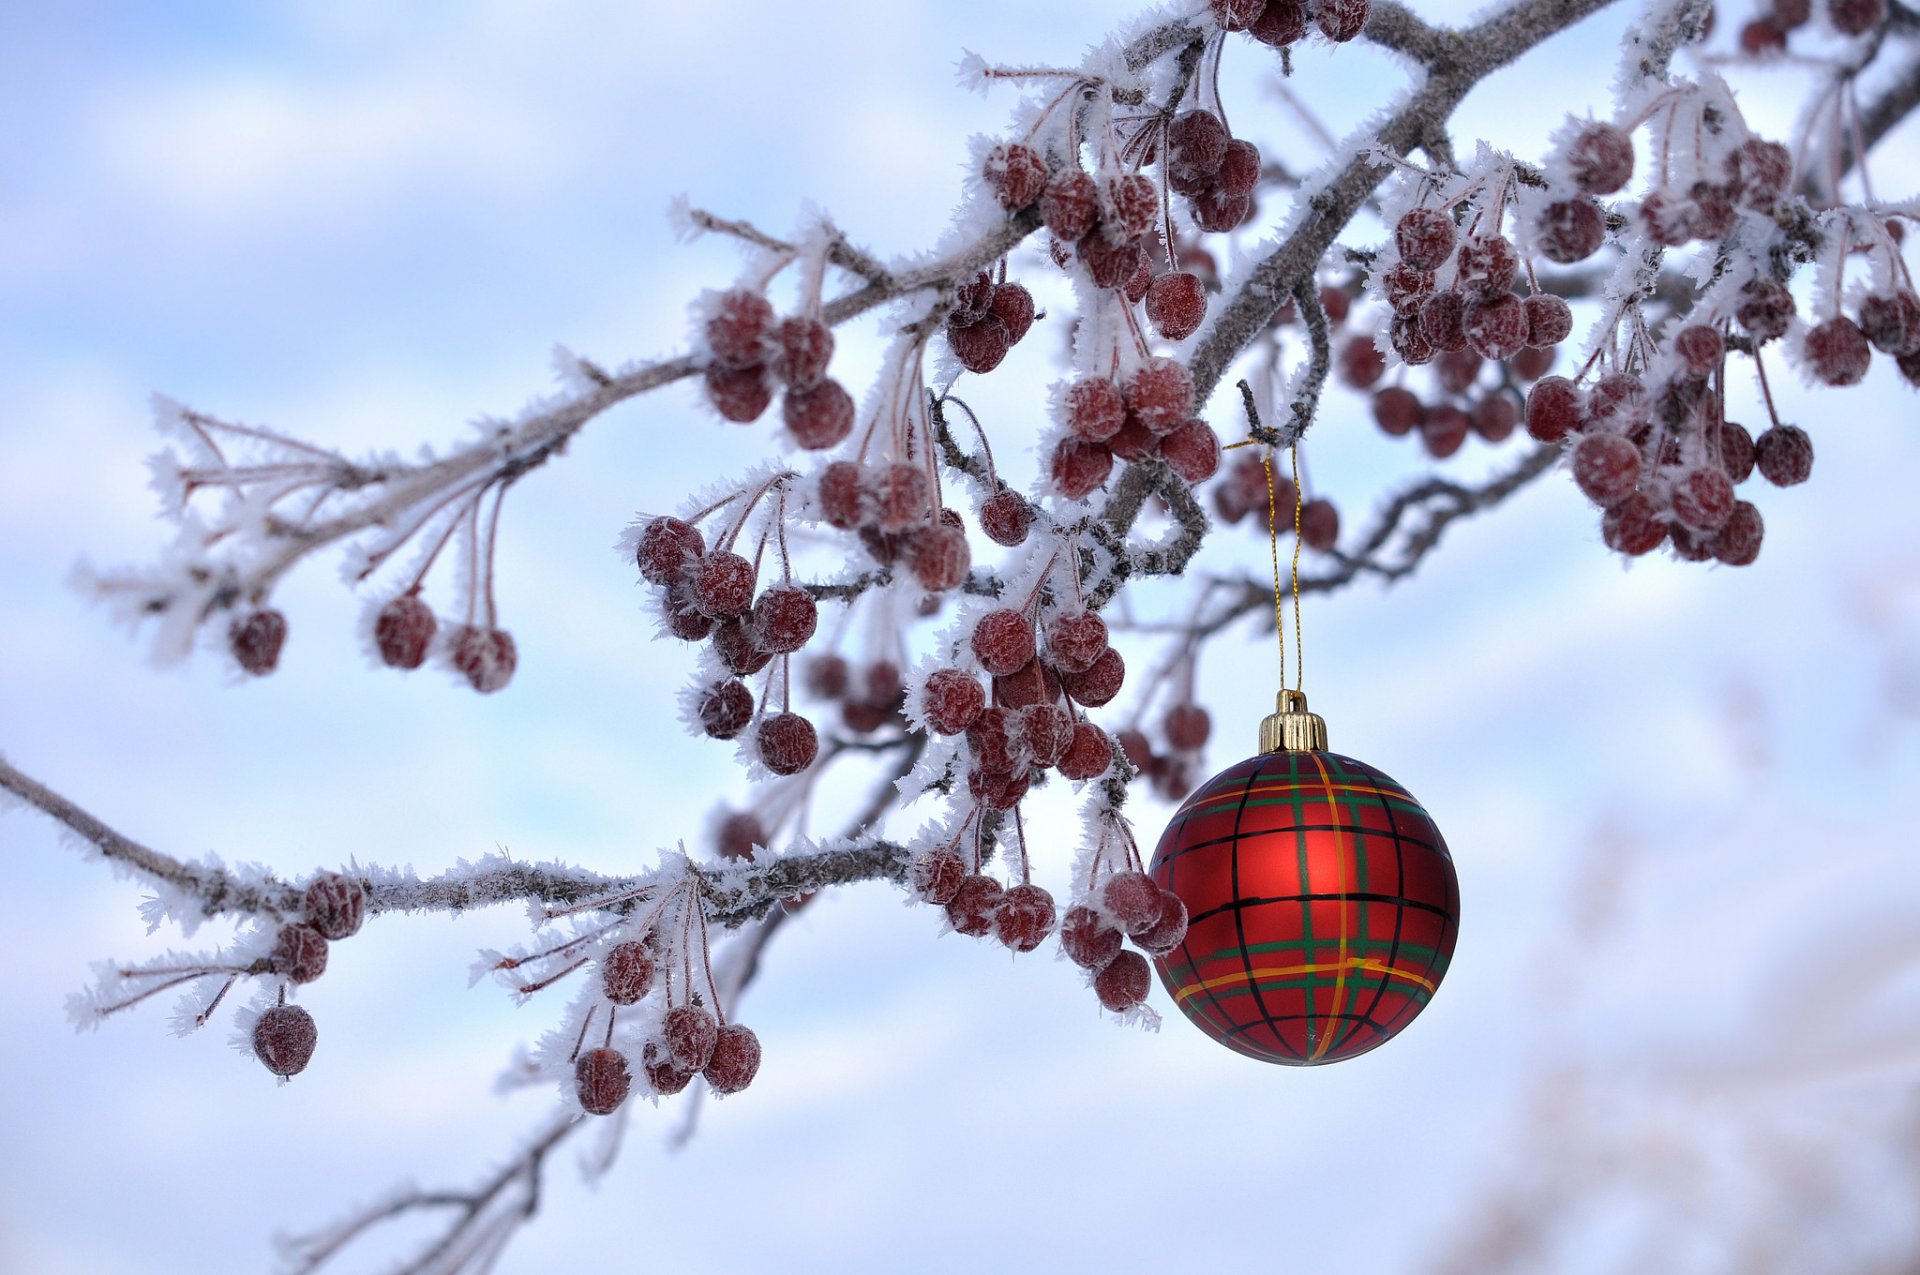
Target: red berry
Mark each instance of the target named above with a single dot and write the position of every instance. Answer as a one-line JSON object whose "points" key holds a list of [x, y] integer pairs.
{"points": [[994, 741], [1216, 212], [1425, 238], [1443, 320], [1079, 467], [1109, 264], [979, 346], [1075, 640], [1616, 396], [1359, 364], [827, 676], [626, 972], [737, 834], [1408, 341], [971, 909], [1457, 370], [689, 1032], [684, 620], [1442, 433], [1133, 900], [1699, 347], [1003, 641], [1234, 15], [283, 1039], [1016, 174], [665, 1075], [1089, 755], [1005, 517], [1123, 982], [1783, 455], [721, 584], [819, 416], [740, 394], [1280, 23], [1239, 172], [256, 638], [1702, 498], [741, 330], [726, 708], [843, 495], [1100, 682], [1170, 930], [1495, 416], [1891, 321], [667, 548], [1087, 939], [403, 631], [787, 743], [1319, 525], [1496, 326], [1554, 409], [1533, 363], [1192, 451], [1025, 917], [1487, 265], [805, 347], [938, 556], [734, 643], [1762, 170], [1856, 17], [996, 791], [952, 701], [1765, 309], [334, 904], [1737, 543], [1601, 159], [1187, 727], [299, 953], [1070, 204], [1048, 730], [900, 497], [1134, 441], [1196, 144], [1013, 305], [937, 875], [735, 1060], [1549, 321], [1606, 467], [1160, 395], [485, 657], [1406, 288], [1176, 304], [784, 618], [882, 679], [1790, 15], [1024, 686], [1633, 526], [1131, 207], [1837, 352], [1095, 409], [1734, 446], [1342, 20], [1397, 411]]}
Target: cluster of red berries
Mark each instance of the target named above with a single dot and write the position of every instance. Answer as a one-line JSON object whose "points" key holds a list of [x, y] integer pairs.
{"points": [[1839, 350], [749, 352], [403, 633], [1129, 905], [691, 1040], [1461, 405], [1753, 176], [1767, 32], [1185, 729], [891, 506], [1216, 172], [709, 596], [1150, 416], [867, 702], [1020, 916], [988, 319], [1243, 490], [1282, 22], [333, 907], [1454, 293]]}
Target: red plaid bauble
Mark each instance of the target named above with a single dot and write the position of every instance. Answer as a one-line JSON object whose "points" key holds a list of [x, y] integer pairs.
{"points": [[1323, 907]]}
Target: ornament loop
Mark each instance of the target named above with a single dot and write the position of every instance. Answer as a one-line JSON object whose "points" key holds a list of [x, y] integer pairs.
{"points": [[1292, 728]]}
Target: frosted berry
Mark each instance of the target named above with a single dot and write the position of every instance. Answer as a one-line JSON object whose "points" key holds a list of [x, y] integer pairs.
{"points": [[1783, 455], [1003, 641], [1075, 640], [1496, 416], [1095, 409], [734, 643], [485, 657], [1616, 395], [1123, 982], [721, 584], [726, 708], [1425, 238], [256, 638], [994, 790], [1070, 204], [735, 1061], [1187, 727], [1496, 327], [1700, 347], [1088, 939], [283, 1039], [740, 394], [601, 1080], [971, 909], [1737, 543], [1319, 525], [1078, 467], [1406, 288], [1100, 682], [1017, 175], [737, 834], [740, 332], [1549, 320], [1024, 686], [1133, 900], [1734, 446], [1487, 264], [1457, 370], [1601, 159], [1837, 352], [1134, 441], [805, 347], [784, 618], [1239, 170], [1408, 341], [684, 620], [626, 972], [299, 953], [1765, 309], [1216, 212], [938, 556], [1176, 304], [1005, 517], [1089, 754], [1856, 17], [787, 743], [1891, 322], [403, 631], [1341, 20], [1397, 411], [952, 701], [843, 495], [1013, 306], [979, 346], [1170, 930], [665, 1075], [667, 547], [1443, 433], [334, 904], [1443, 320], [1606, 467], [1554, 409], [689, 1032], [1358, 363], [1160, 395], [1533, 363], [973, 300], [1110, 263], [1025, 918], [1712, 214], [1131, 207], [1235, 15], [1196, 143], [819, 416], [1762, 170], [1702, 498], [1633, 526], [1048, 730], [994, 740], [1280, 23], [1192, 451], [900, 496], [937, 875]]}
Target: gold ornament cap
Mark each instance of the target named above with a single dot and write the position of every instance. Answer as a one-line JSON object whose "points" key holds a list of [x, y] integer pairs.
{"points": [[1292, 729]]}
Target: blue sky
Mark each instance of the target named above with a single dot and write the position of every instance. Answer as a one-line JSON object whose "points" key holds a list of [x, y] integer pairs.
{"points": [[1669, 789]]}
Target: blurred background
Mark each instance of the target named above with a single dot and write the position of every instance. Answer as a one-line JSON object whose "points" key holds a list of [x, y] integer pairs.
{"points": [[1682, 1028]]}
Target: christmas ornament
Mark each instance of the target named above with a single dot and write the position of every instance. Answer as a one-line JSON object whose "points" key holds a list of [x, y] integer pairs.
{"points": [[1321, 899]]}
